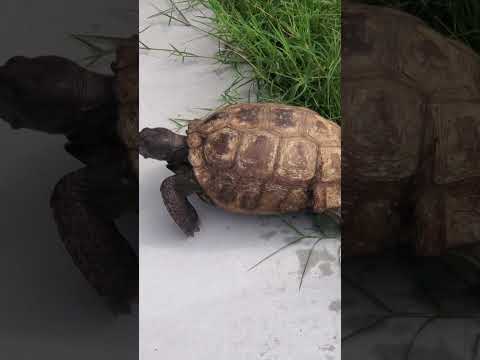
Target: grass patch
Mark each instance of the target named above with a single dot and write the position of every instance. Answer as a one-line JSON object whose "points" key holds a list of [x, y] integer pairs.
{"points": [[285, 51], [459, 19], [292, 47]]}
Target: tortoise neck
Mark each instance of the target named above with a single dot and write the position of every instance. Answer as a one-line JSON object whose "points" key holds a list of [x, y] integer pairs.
{"points": [[179, 150], [178, 159]]}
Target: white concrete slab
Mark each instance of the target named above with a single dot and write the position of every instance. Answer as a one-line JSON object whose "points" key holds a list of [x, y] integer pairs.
{"points": [[197, 299]]}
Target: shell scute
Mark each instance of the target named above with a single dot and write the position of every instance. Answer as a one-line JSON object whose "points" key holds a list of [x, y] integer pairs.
{"points": [[295, 200], [297, 160], [212, 123], [329, 164], [221, 147], [285, 120], [248, 195], [194, 140], [126, 92], [457, 130], [391, 151], [272, 197], [257, 154], [195, 157], [246, 116], [322, 132], [326, 196], [223, 185]]}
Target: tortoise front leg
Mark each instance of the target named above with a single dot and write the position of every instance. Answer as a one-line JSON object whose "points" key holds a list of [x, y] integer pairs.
{"points": [[96, 246], [175, 190]]}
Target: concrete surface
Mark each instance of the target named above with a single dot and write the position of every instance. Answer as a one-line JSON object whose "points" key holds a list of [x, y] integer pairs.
{"points": [[426, 307], [197, 299]]}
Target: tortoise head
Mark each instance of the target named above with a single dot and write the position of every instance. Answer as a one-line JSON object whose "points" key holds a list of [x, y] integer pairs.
{"points": [[46, 93], [160, 143]]}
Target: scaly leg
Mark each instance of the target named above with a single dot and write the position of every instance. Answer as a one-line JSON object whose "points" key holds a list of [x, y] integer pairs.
{"points": [[98, 249], [175, 190]]}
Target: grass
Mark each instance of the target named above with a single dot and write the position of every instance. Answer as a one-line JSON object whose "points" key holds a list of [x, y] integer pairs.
{"points": [[459, 19], [100, 46], [292, 46], [285, 51]]}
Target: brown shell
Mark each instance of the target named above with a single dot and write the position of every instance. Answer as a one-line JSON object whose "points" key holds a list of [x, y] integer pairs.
{"points": [[406, 81], [410, 133], [126, 88], [266, 158]]}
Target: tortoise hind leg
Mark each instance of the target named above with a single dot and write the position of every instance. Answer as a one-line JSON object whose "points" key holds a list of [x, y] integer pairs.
{"points": [[448, 218], [175, 190], [335, 214], [98, 249]]}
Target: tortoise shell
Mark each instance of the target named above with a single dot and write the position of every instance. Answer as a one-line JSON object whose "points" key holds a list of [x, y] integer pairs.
{"points": [[266, 159], [411, 125], [126, 90], [412, 85]]}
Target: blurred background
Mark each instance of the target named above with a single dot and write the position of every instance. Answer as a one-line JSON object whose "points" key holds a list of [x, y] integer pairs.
{"points": [[396, 305], [47, 308]]}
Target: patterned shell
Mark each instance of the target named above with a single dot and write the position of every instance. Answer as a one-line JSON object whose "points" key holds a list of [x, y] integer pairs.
{"points": [[126, 88], [403, 79], [264, 158], [410, 110]]}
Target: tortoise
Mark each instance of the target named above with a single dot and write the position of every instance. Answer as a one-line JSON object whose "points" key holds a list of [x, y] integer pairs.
{"points": [[411, 131], [98, 114], [251, 158]]}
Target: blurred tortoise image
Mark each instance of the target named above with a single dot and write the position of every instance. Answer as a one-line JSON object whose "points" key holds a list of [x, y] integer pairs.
{"points": [[99, 116], [250, 159], [411, 135]]}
